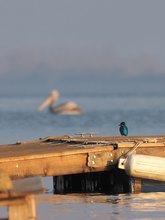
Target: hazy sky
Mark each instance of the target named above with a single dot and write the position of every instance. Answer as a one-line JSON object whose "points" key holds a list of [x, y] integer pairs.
{"points": [[82, 35]]}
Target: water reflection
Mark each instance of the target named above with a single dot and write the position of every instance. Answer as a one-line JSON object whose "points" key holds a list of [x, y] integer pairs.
{"points": [[115, 207]]}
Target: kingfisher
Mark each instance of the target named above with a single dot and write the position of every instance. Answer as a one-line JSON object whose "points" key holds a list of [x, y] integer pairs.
{"points": [[123, 129]]}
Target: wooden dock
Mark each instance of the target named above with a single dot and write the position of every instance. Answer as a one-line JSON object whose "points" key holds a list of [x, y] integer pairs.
{"points": [[67, 155]]}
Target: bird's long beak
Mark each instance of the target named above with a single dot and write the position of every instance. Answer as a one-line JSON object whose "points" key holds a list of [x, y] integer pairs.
{"points": [[47, 102]]}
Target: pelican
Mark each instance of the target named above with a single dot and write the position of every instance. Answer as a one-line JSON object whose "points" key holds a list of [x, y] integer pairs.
{"points": [[67, 108]]}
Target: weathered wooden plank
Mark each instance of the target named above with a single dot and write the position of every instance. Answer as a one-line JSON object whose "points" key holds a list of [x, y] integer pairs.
{"points": [[11, 201], [53, 156], [103, 138], [58, 145], [22, 187], [49, 166], [146, 145], [71, 164], [43, 150]]}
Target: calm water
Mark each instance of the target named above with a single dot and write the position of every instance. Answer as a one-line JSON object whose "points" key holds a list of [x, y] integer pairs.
{"points": [[114, 207], [141, 105]]}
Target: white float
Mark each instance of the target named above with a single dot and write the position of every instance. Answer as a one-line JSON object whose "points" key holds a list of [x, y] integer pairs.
{"points": [[144, 166]]}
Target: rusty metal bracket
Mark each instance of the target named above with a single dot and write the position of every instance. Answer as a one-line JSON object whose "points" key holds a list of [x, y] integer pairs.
{"points": [[101, 159]]}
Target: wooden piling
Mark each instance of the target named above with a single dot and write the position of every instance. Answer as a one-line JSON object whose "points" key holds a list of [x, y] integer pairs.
{"points": [[115, 181], [22, 208], [20, 199]]}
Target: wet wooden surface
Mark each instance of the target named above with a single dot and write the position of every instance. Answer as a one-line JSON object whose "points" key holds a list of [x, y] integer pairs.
{"points": [[53, 156]]}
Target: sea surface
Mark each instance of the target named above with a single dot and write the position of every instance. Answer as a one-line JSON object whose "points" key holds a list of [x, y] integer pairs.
{"points": [[140, 103]]}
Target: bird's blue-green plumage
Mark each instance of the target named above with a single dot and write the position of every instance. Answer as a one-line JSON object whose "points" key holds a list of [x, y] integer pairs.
{"points": [[123, 129]]}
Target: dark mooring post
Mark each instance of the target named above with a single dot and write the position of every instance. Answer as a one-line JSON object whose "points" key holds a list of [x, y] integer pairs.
{"points": [[135, 185], [113, 182]]}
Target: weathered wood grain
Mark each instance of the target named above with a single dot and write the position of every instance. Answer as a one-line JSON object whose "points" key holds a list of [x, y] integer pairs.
{"points": [[53, 156]]}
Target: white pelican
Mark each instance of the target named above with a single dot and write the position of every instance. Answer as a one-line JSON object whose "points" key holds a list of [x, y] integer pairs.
{"points": [[67, 108]]}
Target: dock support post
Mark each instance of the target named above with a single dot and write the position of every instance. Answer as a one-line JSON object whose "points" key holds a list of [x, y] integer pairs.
{"points": [[135, 185], [114, 181], [23, 208]]}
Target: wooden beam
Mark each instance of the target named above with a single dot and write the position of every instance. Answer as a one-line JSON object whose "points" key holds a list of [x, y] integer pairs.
{"points": [[25, 210], [146, 145], [22, 187], [54, 156], [50, 166]]}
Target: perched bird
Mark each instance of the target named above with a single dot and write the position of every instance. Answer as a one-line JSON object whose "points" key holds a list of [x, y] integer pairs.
{"points": [[123, 129]]}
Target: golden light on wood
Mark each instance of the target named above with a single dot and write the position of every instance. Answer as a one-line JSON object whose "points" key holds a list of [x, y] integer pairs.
{"points": [[5, 182]]}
